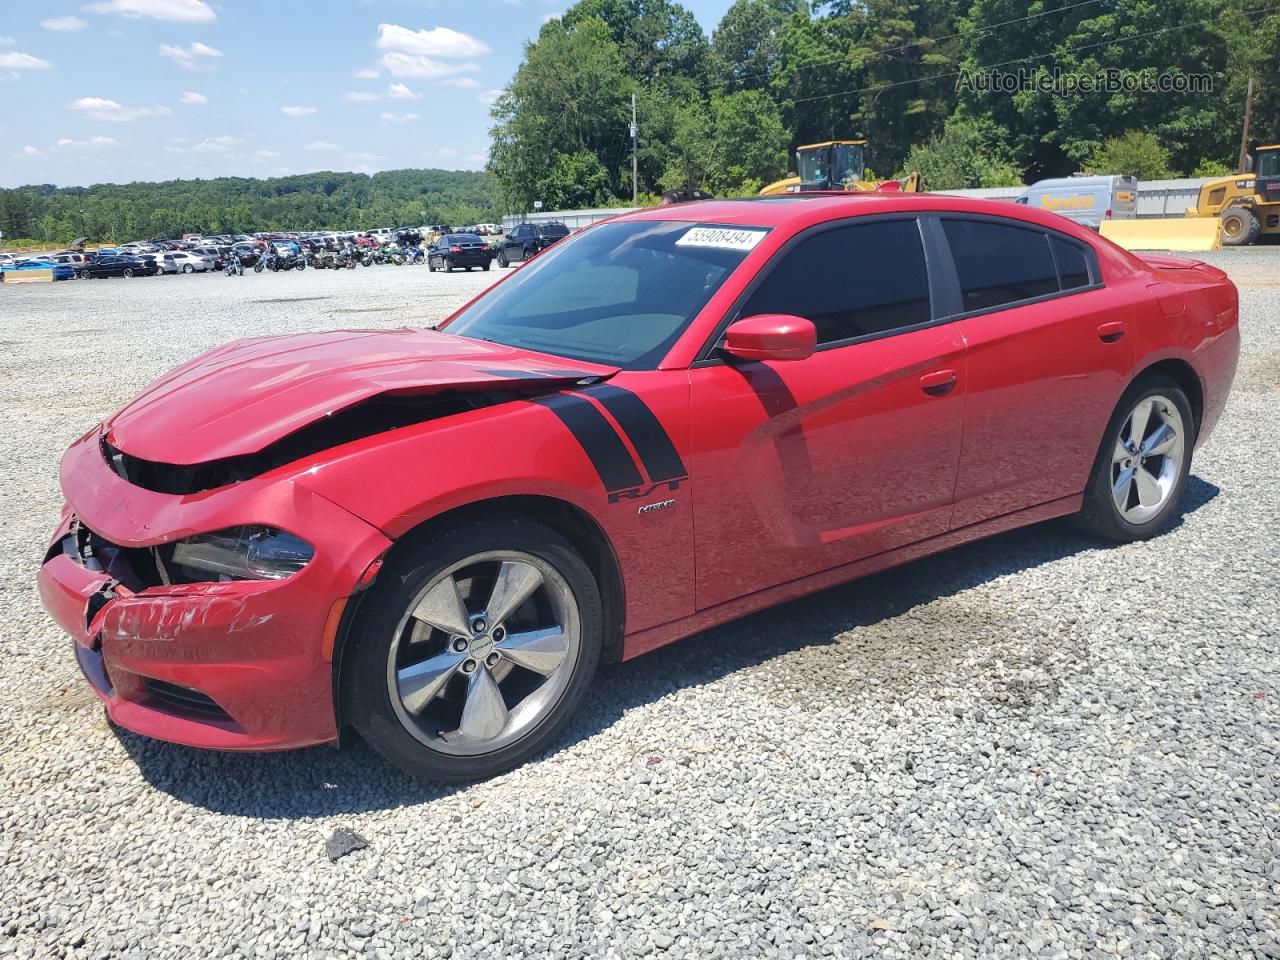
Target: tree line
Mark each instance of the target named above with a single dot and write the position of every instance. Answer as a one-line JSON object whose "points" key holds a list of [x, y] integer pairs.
{"points": [[724, 113], [316, 201]]}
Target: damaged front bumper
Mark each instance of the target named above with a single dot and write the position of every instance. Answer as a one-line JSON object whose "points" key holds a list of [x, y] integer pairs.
{"points": [[235, 665]]}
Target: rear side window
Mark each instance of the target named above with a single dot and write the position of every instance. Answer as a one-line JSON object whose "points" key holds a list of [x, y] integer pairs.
{"points": [[852, 281], [999, 264], [1073, 266]]}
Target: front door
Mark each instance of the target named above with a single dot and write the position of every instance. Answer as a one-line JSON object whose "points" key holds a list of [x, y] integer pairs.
{"points": [[806, 465]]}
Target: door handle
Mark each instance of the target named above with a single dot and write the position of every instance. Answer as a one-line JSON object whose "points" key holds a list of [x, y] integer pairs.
{"points": [[939, 383], [1111, 332]]}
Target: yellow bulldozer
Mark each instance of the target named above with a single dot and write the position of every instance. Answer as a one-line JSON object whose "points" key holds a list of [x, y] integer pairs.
{"points": [[836, 165], [1247, 205]]}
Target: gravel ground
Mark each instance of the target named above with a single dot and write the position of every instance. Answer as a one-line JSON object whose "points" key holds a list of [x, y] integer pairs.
{"points": [[1031, 746]]}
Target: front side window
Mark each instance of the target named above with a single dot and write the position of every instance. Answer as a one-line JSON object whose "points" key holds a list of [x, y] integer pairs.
{"points": [[1269, 164], [999, 263], [618, 293], [851, 281]]}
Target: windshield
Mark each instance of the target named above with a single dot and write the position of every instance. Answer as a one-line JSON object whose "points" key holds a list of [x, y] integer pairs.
{"points": [[839, 163], [618, 294]]}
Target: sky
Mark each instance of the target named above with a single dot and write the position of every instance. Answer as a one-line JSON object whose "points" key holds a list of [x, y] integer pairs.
{"points": [[113, 91]]}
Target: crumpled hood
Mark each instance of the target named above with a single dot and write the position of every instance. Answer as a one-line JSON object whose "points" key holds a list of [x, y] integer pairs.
{"points": [[237, 399]]}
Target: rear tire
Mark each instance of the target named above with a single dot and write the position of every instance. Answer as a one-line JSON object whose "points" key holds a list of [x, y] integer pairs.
{"points": [[188, 268], [442, 721], [1142, 465], [502, 258], [1238, 226]]}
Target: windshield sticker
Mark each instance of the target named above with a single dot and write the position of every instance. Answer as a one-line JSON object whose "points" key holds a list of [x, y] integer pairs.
{"points": [[723, 238]]}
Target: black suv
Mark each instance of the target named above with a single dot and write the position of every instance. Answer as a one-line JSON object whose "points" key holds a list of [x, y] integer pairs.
{"points": [[527, 239]]}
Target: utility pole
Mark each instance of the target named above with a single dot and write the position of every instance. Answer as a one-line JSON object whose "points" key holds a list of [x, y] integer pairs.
{"points": [[1244, 137], [634, 137]]}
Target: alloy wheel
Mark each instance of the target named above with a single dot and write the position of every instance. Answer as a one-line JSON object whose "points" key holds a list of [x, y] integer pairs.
{"points": [[1147, 458], [484, 652]]}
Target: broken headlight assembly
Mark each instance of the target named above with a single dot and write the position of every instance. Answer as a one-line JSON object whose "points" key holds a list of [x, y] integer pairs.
{"points": [[242, 553]]}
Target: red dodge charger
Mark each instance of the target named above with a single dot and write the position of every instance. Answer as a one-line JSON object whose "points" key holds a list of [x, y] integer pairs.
{"points": [[671, 419]]}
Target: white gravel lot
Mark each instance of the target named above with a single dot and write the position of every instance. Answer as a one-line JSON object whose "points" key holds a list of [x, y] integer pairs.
{"points": [[1032, 746]]}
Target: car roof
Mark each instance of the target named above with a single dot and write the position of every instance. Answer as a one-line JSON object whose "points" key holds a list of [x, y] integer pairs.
{"points": [[799, 210]]}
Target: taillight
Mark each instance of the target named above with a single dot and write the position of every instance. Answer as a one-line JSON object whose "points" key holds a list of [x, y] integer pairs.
{"points": [[455, 249], [1107, 215]]}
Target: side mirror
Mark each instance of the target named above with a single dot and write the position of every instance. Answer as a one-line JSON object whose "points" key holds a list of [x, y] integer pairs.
{"points": [[771, 336]]}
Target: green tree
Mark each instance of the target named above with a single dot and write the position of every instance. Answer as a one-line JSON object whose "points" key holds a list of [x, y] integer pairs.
{"points": [[1136, 153], [968, 153], [571, 95]]}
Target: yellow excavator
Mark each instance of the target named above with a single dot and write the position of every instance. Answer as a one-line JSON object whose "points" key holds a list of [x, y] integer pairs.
{"points": [[1247, 205], [837, 165]]}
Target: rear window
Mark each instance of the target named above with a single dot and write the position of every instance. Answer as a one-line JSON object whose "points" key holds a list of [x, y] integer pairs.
{"points": [[553, 230], [1000, 263]]}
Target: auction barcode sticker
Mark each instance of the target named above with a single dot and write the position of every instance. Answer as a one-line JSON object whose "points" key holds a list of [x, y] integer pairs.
{"points": [[724, 238]]}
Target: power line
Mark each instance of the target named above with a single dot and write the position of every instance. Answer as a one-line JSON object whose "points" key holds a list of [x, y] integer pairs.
{"points": [[978, 31], [875, 88]]}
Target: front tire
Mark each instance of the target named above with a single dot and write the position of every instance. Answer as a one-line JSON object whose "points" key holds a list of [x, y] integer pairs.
{"points": [[1142, 466], [1238, 226], [128, 273], [473, 649]]}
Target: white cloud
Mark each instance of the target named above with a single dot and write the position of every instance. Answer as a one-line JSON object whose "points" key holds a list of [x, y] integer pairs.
{"points": [[194, 98], [23, 61], [400, 91], [489, 97], [63, 24], [100, 108], [217, 144], [362, 97], [264, 154], [366, 73], [177, 11], [297, 111], [67, 145], [185, 57], [440, 42], [422, 67], [389, 117], [467, 83], [92, 143], [321, 146]]}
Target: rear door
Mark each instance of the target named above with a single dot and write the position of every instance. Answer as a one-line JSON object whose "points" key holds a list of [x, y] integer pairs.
{"points": [[1048, 357], [805, 465]]}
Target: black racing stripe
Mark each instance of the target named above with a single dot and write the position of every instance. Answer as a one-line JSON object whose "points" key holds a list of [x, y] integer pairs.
{"points": [[600, 442], [646, 433]]}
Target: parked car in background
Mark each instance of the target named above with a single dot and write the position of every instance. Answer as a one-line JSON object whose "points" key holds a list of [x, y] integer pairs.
{"points": [[1086, 200], [528, 239], [189, 262], [249, 252], [217, 254], [119, 266], [61, 271], [458, 251]]}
